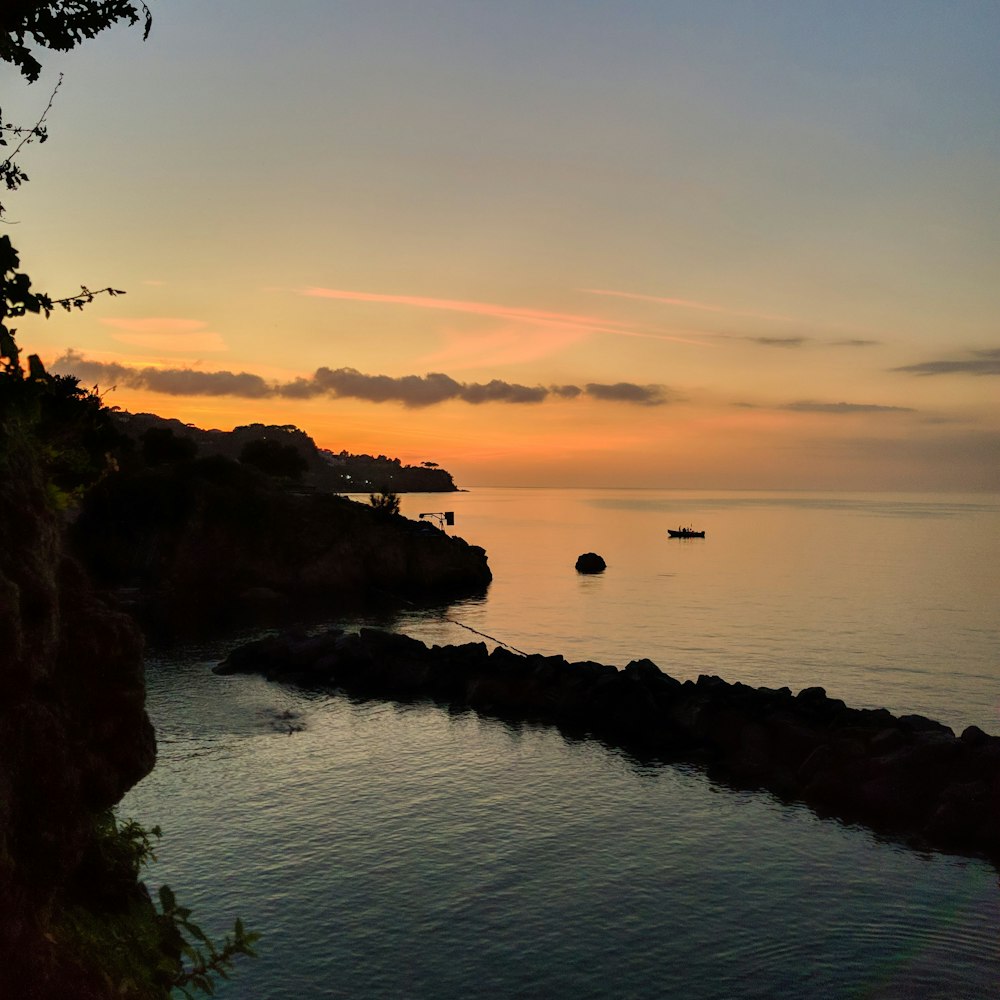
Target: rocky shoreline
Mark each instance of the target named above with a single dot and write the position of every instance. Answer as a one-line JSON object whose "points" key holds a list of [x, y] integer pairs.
{"points": [[905, 776], [196, 546]]}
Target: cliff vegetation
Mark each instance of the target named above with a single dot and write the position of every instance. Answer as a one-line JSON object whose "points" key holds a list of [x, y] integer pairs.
{"points": [[285, 450], [191, 544], [76, 921]]}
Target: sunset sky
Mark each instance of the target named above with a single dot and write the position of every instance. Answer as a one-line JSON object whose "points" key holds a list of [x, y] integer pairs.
{"points": [[663, 243]]}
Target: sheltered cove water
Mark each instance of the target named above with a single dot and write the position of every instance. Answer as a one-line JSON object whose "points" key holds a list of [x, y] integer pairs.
{"points": [[393, 850], [908, 776]]}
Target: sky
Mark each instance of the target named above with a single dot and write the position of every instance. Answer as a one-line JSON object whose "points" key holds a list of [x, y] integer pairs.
{"points": [[751, 244]]}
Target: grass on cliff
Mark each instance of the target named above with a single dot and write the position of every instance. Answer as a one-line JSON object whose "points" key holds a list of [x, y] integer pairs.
{"points": [[118, 942]]}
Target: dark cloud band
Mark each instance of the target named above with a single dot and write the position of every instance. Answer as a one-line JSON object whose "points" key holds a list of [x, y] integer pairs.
{"points": [[628, 392], [345, 383], [808, 406], [777, 341], [986, 362]]}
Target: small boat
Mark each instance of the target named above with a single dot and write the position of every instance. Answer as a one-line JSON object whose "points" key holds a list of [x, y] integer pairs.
{"points": [[685, 533]]}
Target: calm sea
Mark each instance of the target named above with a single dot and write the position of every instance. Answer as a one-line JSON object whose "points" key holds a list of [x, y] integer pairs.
{"points": [[405, 851]]}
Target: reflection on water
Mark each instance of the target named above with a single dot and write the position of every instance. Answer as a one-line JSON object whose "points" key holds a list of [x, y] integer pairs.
{"points": [[873, 505], [402, 850], [896, 611], [407, 851]]}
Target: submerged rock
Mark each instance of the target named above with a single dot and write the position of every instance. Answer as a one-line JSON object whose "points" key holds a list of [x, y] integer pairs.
{"points": [[907, 776]]}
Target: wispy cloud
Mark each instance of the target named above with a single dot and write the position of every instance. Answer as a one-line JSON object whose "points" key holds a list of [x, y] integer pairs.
{"points": [[582, 324], [777, 341], [838, 409], [165, 333], [453, 305], [722, 310], [414, 391], [691, 304], [811, 406], [506, 344], [154, 324], [985, 362]]}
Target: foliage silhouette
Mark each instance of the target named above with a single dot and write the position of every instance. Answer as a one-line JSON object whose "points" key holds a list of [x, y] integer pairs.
{"points": [[274, 458], [69, 435], [161, 446], [60, 25], [385, 504], [141, 949]]}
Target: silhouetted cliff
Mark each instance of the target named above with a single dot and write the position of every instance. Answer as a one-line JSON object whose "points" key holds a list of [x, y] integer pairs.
{"points": [[199, 543], [74, 736]]}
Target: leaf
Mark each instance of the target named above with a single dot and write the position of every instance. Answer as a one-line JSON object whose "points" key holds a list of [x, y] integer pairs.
{"points": [[167, 899], [189, 949], [36, 370], [8, 349], [196, 931]]}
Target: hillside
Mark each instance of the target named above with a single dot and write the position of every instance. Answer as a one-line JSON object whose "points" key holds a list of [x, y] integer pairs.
{"points": [[324, 470], [193, 544]]}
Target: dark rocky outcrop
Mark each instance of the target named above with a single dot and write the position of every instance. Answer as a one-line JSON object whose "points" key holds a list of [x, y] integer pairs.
{"points": [[198, 544], [590, 562], [74, 736], [907, 776]]}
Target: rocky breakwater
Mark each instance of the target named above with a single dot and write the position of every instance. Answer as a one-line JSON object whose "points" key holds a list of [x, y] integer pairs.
{"points": [[195, 545], [907, 776]]}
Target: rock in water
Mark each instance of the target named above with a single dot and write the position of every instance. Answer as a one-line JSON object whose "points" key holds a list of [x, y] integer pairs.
{"points": [[590, 562]]}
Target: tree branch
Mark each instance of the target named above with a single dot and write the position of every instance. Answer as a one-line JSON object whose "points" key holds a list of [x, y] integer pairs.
{"points": [[9, 171]]}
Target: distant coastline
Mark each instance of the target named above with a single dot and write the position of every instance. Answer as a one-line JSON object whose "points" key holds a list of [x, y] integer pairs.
{"points": [[195, 529], [325, 470]]}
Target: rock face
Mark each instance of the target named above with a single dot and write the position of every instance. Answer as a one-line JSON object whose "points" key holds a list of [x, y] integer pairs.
{"points": [[74, 735], [907, 776], [212, 540], [590, 562]]}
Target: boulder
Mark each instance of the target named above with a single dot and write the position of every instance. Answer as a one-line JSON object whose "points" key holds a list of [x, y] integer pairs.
{"points": [[590, 562]]}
